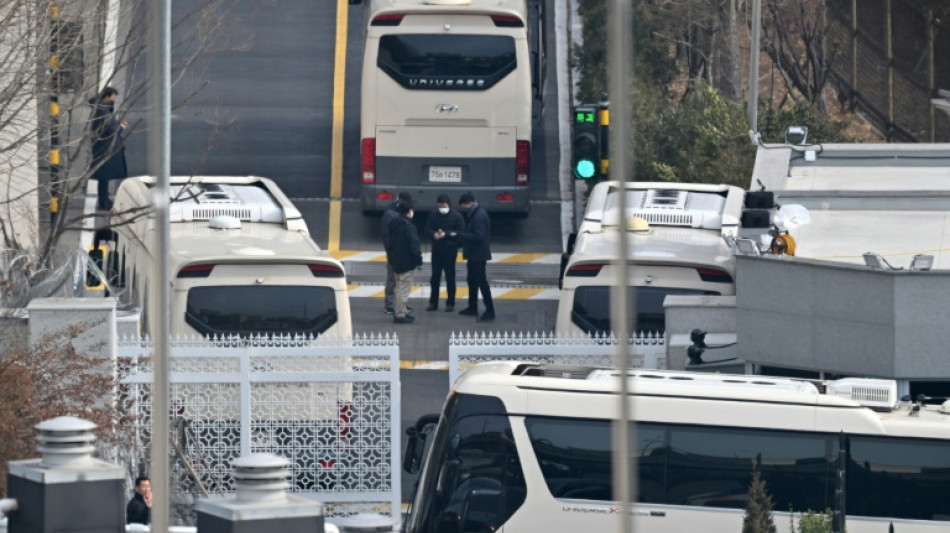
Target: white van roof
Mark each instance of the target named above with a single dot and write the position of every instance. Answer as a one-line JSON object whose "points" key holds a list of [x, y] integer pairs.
{"points": [[684, 205], [687, 223]]}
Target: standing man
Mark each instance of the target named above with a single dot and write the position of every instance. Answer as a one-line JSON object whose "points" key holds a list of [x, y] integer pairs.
{"points": [[139, 509], [390, 214], [476, 249], [108, 145], [443, 227], [405, 254]]}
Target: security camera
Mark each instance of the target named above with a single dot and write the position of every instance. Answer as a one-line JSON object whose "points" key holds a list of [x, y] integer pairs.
{"points": [[796, 134]]}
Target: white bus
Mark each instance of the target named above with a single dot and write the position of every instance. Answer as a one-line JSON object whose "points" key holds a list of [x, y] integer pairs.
{"points": [[241, 260], [522, 447], [447, 101], [675, 233]]}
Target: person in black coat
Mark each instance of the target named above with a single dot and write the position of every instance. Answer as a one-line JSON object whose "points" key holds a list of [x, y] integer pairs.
{"points": [[476, 249], [108, 145], [405, 256], [443, 227], [139, 509], [390, 214]]}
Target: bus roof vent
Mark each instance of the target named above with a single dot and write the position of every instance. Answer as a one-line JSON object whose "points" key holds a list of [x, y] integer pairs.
{"points": [[678, 206], [205, 201], [873, 393], [224, 222]]}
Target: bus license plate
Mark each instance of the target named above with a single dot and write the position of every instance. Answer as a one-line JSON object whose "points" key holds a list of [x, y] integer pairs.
{"points": [[445, 174]]}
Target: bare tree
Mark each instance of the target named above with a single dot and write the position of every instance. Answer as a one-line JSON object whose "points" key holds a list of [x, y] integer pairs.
{"points": [[797, 38], [54, 56], [49, 379]]}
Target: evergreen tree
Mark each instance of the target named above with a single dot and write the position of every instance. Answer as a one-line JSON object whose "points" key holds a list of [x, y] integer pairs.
{"points": [[758, 508]]}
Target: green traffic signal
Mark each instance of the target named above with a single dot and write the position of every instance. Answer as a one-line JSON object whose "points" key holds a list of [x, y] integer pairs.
{"points": [[585, 154], [584, 169]]}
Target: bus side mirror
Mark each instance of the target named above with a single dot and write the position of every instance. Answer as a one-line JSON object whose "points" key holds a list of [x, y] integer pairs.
{"points": [[416, 442]]}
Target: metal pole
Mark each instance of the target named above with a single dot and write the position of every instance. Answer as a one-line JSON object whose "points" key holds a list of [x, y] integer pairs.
{"points": [[619, 73], [159, 163], [754, 70]]}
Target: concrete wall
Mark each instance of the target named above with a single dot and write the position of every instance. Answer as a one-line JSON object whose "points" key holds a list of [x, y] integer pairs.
{"points": [[819, 315], [95, 316]]}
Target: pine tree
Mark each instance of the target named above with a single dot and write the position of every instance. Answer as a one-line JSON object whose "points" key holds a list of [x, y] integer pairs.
{"points": [[758, 508]]}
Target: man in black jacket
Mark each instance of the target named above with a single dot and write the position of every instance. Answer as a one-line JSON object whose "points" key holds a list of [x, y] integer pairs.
{"points": [[139, 509], [476, 249], [390, 214], [405, 255], [108, 145], [443, 227]]}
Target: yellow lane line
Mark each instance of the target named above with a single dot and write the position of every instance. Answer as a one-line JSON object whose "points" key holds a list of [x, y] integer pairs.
{"points": [[520, 293], [523, 258], [343, 254], [336, 146]]}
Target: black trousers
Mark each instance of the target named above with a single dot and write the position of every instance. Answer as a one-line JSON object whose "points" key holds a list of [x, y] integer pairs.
{"points": [[478, 281], [443, 262]]}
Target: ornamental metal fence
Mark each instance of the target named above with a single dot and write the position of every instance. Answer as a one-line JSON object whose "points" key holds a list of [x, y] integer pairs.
{"points": [[647, 350], [329, 405]]}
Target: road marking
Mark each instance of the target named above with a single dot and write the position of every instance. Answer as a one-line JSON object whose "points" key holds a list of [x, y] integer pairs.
{"points": [[336, 146], [357, 290], [423, 365], [524, 258]]}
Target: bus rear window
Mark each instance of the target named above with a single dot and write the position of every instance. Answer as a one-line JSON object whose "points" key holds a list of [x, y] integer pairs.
{"points": [[591, 310], [261, 310], [446, 62]]}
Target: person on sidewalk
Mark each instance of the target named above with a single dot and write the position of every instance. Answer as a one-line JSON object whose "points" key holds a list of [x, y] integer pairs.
{"points": [[390, 214], [405, 255], [476, 249], [108, 145], [139, 509], [443, 227]]}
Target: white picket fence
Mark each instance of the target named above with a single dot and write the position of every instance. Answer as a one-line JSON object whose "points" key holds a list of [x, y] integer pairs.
{"points": [[647, 350]]}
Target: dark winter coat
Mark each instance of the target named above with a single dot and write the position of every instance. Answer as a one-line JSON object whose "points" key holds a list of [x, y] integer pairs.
{"points": [[136, 512], [405, 250], [453, 222], [108, 143], [390, 214], [476, 239]]}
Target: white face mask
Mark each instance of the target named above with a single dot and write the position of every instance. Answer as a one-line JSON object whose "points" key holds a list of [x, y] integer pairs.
{"points": [[444, 210]]}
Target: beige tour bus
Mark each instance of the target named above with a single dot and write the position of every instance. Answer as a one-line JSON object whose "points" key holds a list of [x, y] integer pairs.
{"points": [[447, 94], [675, 233], [241, 260]]}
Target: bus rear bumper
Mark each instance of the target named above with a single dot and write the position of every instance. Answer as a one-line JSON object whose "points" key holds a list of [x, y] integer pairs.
{"points": [[376, 198]]}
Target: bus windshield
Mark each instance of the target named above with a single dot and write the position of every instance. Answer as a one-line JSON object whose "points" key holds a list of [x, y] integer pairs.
{"points": [[591, 311], [260, 310], [447, 62]]}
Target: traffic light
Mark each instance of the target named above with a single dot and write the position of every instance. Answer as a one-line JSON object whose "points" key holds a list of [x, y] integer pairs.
{"points": [[586, 147]]}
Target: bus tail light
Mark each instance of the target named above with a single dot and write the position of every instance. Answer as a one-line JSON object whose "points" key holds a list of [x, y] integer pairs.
{"points": [[368, 160], [196, 271], [588, 270], [522, 162], [507, 21], [320, 270], [387, 19], [714, 276]]}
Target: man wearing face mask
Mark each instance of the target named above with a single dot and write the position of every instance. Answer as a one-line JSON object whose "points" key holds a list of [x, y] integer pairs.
{"points": [[443, 227]]}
